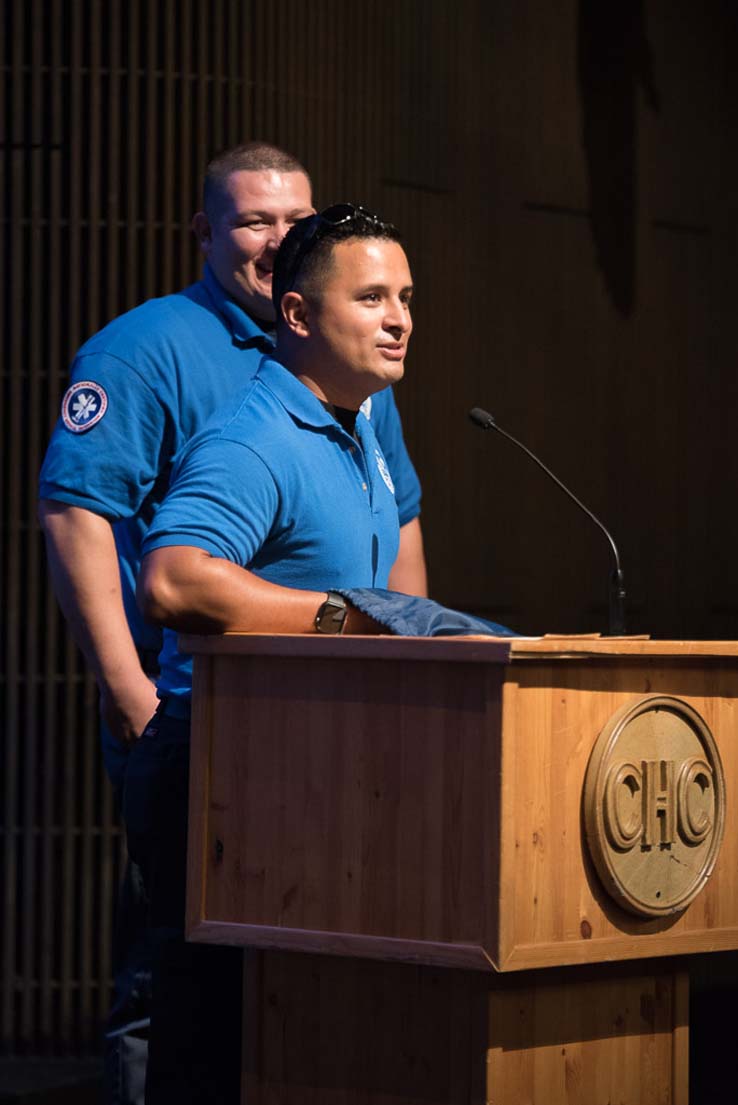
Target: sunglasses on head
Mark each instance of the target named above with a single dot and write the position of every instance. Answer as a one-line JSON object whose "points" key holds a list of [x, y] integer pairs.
{"points": [[337, 215]]}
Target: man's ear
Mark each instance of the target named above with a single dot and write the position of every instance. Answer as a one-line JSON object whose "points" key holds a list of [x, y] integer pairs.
{"points": [[296, 313], [203, 231]]}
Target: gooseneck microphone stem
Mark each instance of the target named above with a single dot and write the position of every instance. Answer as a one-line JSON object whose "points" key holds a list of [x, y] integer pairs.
{"points": [[616, 619]]}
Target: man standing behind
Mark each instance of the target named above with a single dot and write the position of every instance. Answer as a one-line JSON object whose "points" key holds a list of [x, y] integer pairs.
{"points": [[140, 389], [283, 498]]}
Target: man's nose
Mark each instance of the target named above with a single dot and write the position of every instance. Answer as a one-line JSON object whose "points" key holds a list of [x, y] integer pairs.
{"points": [[397, 316]]}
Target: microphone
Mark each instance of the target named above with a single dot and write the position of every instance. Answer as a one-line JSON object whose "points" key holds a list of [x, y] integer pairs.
{"points": [[485, 421]]}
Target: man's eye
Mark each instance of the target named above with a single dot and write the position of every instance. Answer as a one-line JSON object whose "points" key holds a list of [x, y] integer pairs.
{"points": [[257, 225], [372, 297]]}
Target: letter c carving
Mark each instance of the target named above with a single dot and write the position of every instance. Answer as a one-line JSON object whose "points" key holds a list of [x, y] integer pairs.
{"points": [[623, 831], [694, 825]]}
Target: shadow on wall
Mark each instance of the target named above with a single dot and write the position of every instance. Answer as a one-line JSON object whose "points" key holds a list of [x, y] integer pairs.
{"points": [[614, 57]]}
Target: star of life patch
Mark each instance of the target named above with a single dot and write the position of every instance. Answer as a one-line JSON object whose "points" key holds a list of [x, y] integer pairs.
{"points": [[384, 470], [83, 406]]}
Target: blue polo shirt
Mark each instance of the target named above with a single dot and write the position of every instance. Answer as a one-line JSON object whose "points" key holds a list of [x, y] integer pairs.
{"points": [[276, 485], [141, 388]]}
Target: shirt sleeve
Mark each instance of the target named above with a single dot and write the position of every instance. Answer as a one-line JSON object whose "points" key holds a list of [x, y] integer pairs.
{"points": [[223, 499], [385, 419], [111, 443]]}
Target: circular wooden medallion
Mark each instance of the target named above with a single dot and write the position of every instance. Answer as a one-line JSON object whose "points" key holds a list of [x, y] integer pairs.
{"points": [[654, 805]]}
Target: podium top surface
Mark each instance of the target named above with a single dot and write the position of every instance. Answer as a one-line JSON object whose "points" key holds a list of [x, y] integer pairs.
{"points": [[490, 650]]}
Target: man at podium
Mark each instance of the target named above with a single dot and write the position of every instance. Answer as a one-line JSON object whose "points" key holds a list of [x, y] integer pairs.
{"points": [[283, 498]]}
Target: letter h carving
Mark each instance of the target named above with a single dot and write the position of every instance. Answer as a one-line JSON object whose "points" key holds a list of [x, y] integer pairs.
{"points": [[659, 805]]}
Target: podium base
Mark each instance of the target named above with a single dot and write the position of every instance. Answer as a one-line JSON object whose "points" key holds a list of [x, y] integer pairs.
{"points": [[325, 1031]]}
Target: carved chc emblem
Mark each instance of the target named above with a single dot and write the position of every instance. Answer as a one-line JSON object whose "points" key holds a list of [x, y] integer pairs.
{"points": [[654, 805]]}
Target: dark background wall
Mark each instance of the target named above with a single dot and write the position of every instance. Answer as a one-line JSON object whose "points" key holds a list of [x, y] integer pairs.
{"points": [[565, 178]]}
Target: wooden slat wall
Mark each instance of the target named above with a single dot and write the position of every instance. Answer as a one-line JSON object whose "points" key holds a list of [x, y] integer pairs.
{"points": [[107, 112], [464, 123]]}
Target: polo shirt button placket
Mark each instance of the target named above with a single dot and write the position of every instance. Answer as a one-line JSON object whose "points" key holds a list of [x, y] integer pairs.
{"points": [[365, 478], [357, 452], [363, 463]]}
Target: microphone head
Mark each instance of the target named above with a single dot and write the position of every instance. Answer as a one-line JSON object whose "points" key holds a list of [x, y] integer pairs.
{"points": [[482, 418]]}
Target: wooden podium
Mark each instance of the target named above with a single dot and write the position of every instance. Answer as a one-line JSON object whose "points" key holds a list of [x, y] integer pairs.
{"points": [[494, 856]]}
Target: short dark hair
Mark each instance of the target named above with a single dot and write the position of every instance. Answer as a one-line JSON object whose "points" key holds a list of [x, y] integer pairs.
{"points": [[255, 157], [318, 260]]}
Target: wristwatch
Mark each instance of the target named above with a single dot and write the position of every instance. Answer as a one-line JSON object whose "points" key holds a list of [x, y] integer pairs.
{"points": [[331, 616]]}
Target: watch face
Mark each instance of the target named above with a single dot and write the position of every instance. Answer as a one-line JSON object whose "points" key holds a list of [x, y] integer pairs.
{"points": [[331, 615]]}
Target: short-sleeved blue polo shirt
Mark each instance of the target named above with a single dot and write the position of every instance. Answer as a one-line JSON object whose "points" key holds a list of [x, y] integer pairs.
{"points": [[141, 388], [276, 485]]}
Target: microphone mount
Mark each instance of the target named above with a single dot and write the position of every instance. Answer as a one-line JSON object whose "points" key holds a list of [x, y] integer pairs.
{"points": [[485, 421]]}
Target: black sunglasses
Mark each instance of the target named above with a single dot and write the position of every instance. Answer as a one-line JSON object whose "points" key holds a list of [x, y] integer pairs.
{"points": [[337, 215]]}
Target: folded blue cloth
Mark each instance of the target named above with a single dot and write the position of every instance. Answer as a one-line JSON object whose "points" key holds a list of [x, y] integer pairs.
{"points": [[410, 616]]}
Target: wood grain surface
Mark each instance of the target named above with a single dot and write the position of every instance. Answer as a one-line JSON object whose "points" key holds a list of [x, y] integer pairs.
{"points": [[553, 908], [357, 799], [400, 806], [396, 805], [581, 1041]]}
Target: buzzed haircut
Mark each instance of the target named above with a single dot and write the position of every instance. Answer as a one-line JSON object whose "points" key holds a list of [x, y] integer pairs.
{"points": [[254, 157], [318, 261]]}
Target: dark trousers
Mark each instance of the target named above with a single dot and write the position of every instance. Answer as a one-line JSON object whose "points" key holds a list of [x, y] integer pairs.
{"points": [[195, 1035], [127, 1026]]}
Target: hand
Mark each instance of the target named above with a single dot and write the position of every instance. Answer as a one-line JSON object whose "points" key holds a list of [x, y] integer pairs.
{"points": [[126, 713], [357, 622]]}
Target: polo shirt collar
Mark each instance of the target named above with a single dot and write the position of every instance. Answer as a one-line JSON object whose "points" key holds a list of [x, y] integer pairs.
{"points": [[241, 325], [298, 400]]}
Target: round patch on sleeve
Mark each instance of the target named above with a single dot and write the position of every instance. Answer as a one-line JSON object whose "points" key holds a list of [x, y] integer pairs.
{"points": [[83, 406]]}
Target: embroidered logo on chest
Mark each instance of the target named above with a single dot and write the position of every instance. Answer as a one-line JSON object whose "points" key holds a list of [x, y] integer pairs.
{"points": [[384, 470]]}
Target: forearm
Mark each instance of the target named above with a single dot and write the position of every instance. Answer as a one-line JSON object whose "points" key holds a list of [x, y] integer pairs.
{"points": [[188, 590], [409, 574], [83, 565]]}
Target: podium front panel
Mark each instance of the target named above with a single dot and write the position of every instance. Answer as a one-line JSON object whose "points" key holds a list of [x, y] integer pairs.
{"points": [[423, 800]]}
